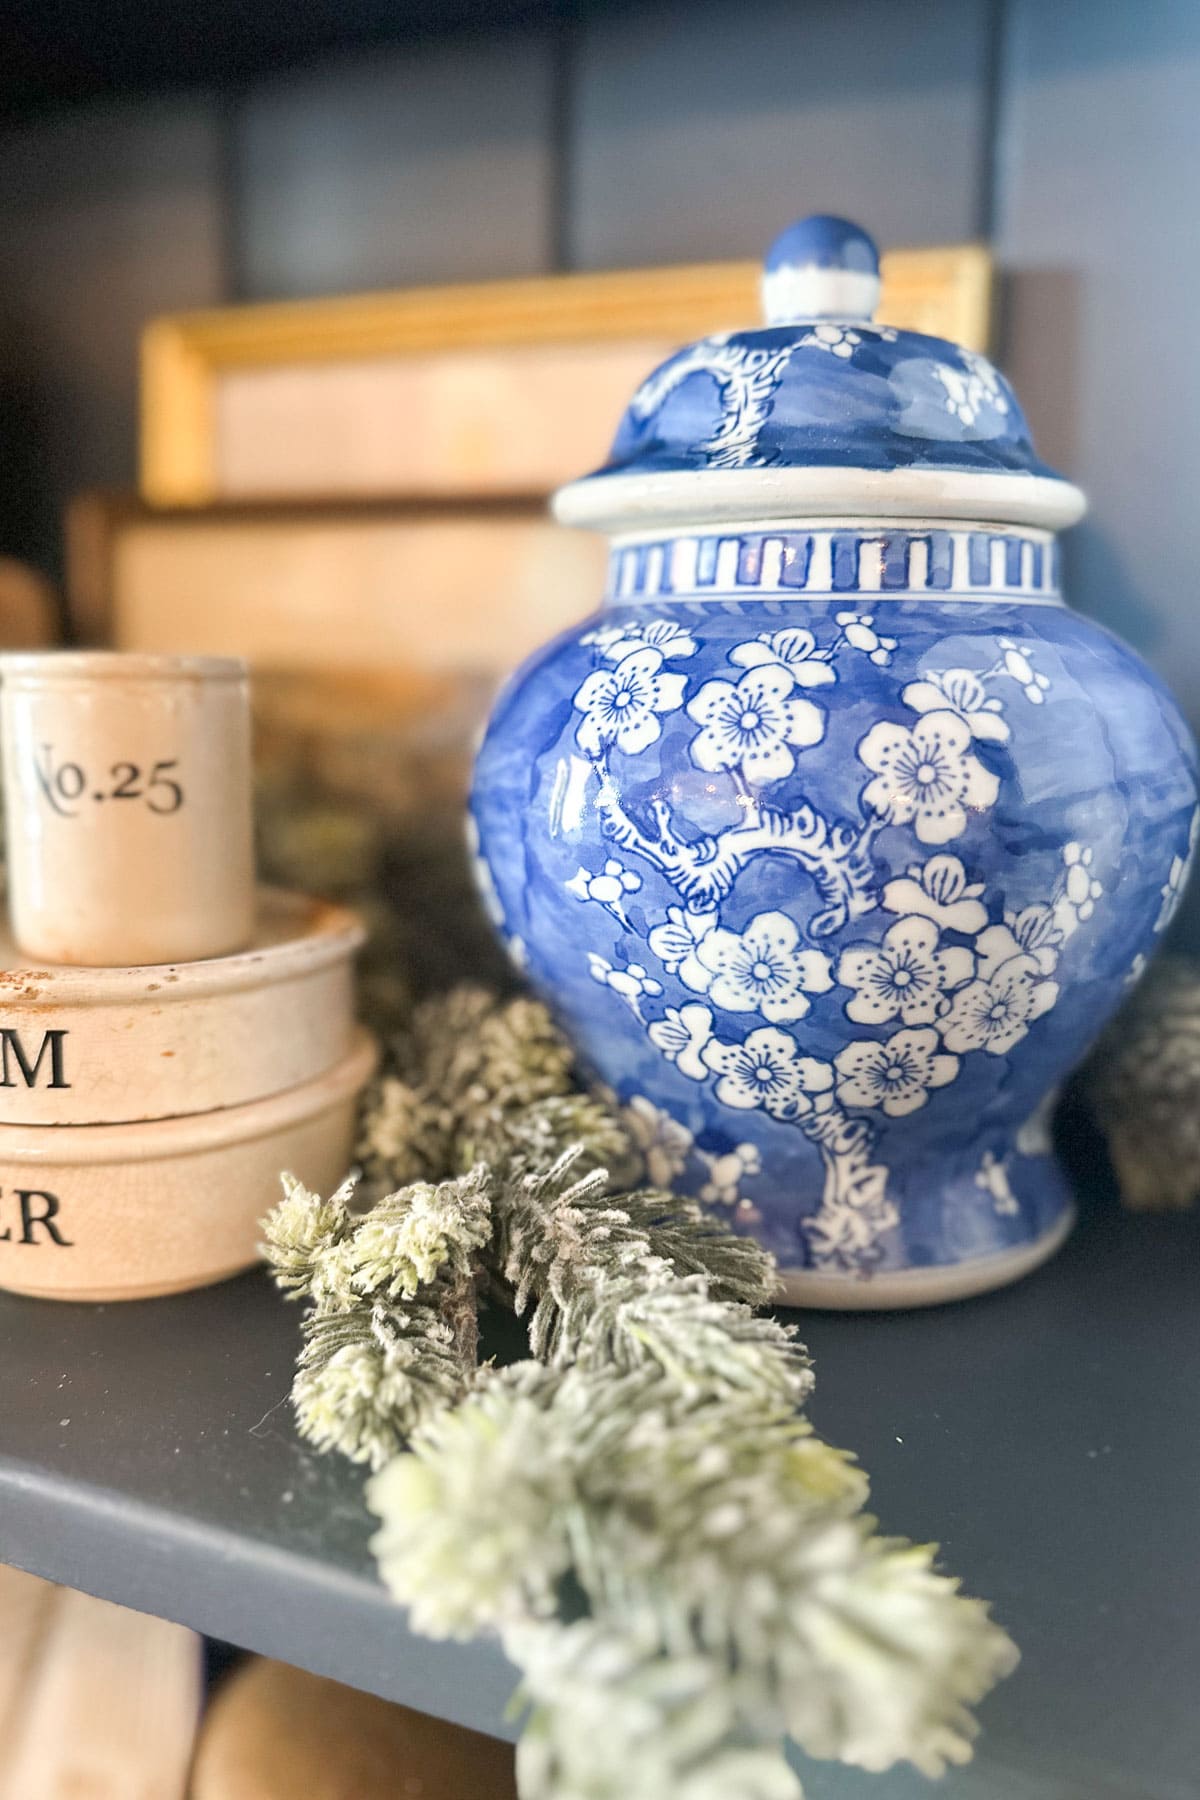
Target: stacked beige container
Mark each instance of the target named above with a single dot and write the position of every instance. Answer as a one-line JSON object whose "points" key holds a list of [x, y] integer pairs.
{"points": [[171, 1039]]}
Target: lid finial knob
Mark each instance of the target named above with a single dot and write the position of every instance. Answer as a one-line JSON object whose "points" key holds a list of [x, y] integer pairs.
{"points": [[820, 268]]}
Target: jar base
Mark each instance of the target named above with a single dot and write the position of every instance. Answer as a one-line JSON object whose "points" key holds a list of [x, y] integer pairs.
{"points": [[898, 1288]]}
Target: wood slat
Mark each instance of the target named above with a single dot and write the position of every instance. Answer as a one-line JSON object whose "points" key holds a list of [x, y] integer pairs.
{"points": [[96, 1702]]}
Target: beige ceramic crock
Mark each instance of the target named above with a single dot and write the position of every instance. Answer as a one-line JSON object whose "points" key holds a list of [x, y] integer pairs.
{"points": [[124, 1212], [128, 811]]}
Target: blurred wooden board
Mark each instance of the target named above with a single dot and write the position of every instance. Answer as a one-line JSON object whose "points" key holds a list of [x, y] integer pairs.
{"points": [[28, 608], [477, 420], [278, 1733], [458, 588], [96, 1702], [492, 387], [25, 1608]]}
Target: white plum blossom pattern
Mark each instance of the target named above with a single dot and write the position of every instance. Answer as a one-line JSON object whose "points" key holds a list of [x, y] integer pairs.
{"points": [[963, 692], [1177, 877], [992, 1177], [621, 706], [1033, 932], [768, 1071], [947, 972], [897, 1075], [629, 984], [938, 890], [1016, 664], [726, 1173], [906, 976], [676, 942], [858, 630], [1080, 889], [753, 725], [959, 399], [843, 340], [681, 1035], [994, 1014], [973, 391], [615, 642], [926, 777], [838, 340], [664, 1142], [608, 889], [762, 969], [602, 637], [795, 649]]}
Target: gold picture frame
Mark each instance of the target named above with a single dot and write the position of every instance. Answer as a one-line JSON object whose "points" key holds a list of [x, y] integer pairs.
{"points": [[187, 358]]}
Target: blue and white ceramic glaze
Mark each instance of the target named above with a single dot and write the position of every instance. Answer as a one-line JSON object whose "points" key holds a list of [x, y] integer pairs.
{"points": [[833, 843]]}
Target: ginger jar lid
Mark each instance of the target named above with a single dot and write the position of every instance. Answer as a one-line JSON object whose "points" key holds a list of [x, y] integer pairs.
{"points": [[821, 413]]}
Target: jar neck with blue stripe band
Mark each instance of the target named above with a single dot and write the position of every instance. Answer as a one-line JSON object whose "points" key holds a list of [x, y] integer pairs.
{"points": [[913, 562]]}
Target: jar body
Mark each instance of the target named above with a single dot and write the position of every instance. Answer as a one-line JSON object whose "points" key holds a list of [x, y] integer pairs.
{"points": [[832, 848]]}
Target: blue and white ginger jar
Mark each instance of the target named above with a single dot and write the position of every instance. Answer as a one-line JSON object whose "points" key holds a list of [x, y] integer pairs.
{"points": [[834, 837]]}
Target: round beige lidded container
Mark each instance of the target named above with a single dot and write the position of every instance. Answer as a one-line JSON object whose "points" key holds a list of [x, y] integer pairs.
{"points": [[120, 1045], [127, 789], [127, 1212]]}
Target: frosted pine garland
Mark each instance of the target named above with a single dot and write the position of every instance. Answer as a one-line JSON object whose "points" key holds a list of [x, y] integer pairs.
{"points": [[1142, 1083], [681, 1568]]}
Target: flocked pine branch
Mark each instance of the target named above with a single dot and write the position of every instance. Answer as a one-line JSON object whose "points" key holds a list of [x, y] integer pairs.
{"points": [[393, 1332], [681, 1568], [405, 1136], [728, 1534], [588, 1268], [481, 1059], [301, 1231], [366, 1378], [531, 1139], [610, 1716]]}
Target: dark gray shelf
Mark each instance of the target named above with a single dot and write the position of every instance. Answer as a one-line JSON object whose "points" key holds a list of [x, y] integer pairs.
{"points": [[1047, 1436], [147, 1454]]}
